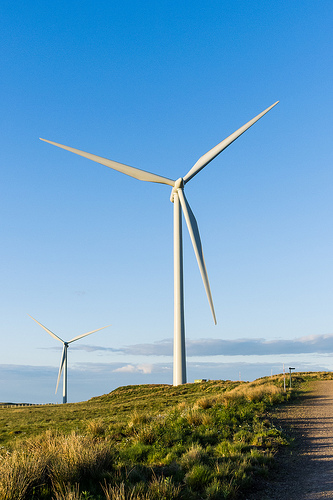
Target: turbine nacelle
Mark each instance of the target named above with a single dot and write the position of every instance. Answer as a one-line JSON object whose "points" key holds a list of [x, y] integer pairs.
{"points": [[179, 184]]}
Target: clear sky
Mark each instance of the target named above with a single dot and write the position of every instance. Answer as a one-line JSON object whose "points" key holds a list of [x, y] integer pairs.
{"points": [[155, 85]]}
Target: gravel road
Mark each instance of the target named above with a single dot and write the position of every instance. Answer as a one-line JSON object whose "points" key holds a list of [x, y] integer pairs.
{"points": [[304, 470]]}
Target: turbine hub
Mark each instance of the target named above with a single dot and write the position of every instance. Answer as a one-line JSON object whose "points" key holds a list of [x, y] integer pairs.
{"points": [[179, 184]]}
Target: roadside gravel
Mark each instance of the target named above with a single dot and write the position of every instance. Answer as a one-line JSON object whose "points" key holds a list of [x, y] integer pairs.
{"points": [[304, 471]]}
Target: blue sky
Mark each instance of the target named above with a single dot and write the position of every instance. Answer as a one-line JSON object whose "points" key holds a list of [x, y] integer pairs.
{"points": [[155, 85]]}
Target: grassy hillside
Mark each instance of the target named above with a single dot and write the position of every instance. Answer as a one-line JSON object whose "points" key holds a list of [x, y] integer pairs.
{"points": [[196, 441]]}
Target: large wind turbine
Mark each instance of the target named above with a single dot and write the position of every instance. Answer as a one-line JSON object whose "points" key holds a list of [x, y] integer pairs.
{"points": [[63, 362], [180, 204]]}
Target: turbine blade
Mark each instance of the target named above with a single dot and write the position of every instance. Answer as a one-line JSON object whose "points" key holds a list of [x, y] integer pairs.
{"points": [[210, 155], [85, 334], [196, 242], [61, 366], [47, 330], [141, 175]]}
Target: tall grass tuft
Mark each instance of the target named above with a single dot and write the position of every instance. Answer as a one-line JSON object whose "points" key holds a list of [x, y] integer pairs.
{"points": [[19, 472], [76, 457], [204, 403], [54, 460], [119, 492], [194, 455], [68, 492], [96, 427], [253, 392], [163, 488]]}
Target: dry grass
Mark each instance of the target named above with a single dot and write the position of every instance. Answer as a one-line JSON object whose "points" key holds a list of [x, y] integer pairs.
{"points": [[195, 454], [19, 471], [137, 419], [182, 406], [52, 459], [252, 392], [96, 427], [194, 417], [118, 492], [68, 492], [159, 488], [204, 403]]}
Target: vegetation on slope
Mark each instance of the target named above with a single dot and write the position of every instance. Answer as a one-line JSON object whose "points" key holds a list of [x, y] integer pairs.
{"points": [[206, 441]]}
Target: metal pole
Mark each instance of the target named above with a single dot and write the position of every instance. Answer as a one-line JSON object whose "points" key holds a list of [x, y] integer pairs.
{"points": [[290, 375], [284, 379]]}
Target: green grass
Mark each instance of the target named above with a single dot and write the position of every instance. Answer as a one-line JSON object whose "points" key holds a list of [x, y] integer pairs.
{"points": [[115, 409], [197, 441]]}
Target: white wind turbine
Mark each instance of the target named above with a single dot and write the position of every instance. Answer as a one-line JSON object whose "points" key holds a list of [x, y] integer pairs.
{"points": [[180, 203], [63, 362]]}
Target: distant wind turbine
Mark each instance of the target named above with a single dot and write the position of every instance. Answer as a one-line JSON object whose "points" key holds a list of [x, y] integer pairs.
{"points": [[63, 362], [180, 204]]}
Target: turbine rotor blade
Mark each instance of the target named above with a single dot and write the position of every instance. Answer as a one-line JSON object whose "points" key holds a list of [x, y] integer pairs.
{"points": [[85, 334], [211, 154], [61, 366], [196, 242], [47, 330], [137, 173]]}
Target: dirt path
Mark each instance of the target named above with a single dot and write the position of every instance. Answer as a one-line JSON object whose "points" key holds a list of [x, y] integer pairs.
{"points": [[305, 470]]}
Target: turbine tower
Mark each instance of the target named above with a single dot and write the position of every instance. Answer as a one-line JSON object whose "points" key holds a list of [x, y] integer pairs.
{"points": [[180, 204], [63, 362]]}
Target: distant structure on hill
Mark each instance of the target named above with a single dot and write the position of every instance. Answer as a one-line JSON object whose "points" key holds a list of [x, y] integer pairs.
{"points": [[63, 361]]}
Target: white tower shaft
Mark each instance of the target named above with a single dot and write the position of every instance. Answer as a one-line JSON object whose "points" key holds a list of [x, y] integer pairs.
{"points": [[64, 380], [179, 355]]}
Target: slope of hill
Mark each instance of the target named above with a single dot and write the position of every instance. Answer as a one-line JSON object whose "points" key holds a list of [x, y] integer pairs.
{"points": [[206, 440]]}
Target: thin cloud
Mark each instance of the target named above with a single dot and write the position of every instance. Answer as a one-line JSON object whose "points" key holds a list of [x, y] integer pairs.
{"points": [[239, 347], [142, 368], [319, 344], [160, 348]]}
